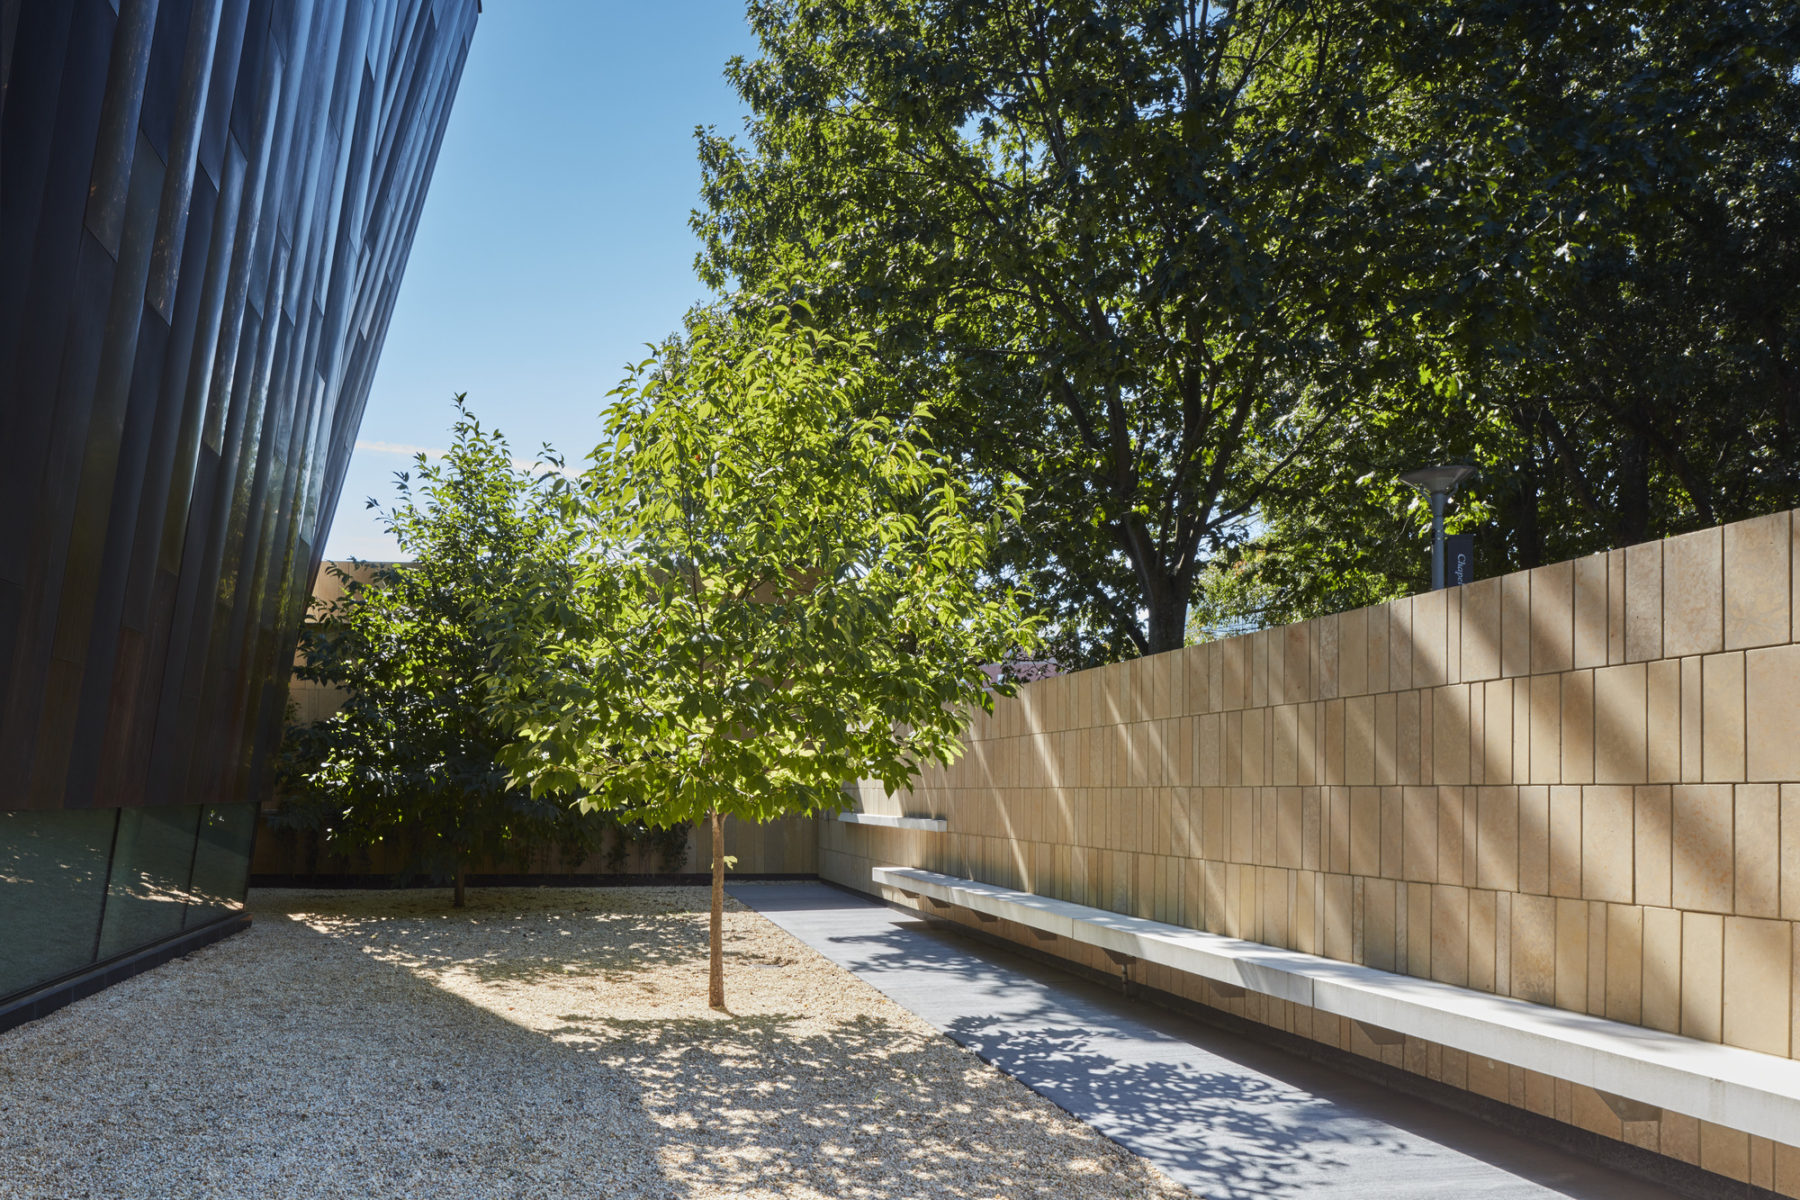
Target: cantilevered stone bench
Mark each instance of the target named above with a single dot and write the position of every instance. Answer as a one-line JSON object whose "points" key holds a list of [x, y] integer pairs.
{"points": [[1739, 1089], [884, 821]]}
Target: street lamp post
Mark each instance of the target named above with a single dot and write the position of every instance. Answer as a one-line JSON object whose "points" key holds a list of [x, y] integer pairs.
{"points": [[1438, 483]]}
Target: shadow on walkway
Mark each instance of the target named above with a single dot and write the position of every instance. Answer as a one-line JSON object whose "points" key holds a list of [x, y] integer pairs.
{"points": [[1224, 1115]]}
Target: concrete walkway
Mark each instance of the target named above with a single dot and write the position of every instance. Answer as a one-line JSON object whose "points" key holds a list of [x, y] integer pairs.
{"points": [[1224, 1116]]}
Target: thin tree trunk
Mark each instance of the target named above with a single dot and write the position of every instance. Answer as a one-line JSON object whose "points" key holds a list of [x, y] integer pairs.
{"points": [[715, 985], [461, 875]]}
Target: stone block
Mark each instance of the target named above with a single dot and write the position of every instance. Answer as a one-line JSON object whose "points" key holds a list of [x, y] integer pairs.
{"points": [[1377, 675], [1758, 581], [1620, 713], [1353, 652], [1651, 844], [1624, 963], [1757, 837], [1481, 630], [1393, 833], [1450, 734], [1380, 899], [1546, 729], [1450, 935], [1534, 840], [1325, 657], [1693, 591], [1495, 742], [1680, 1137], [1789, 870], [1643, 602], [1359, 740], [1285, 768], [1418, 929], [1515, 624], [1400, 654], [1497, 838], [1703, 858], [1565, 840], [1481, 940], [1702, 975], [1451, 829], [1430, 633], [1521, 710], [1572, 955], [1662, 721], [1338, 917], [1615, 606], [1420, 836], [1691, 721], [1290, 828], [1771, 713], [1331, 753], [1787, 1169], [1725, 1151], [1757, 984], [1553, 618], [1596, 985], [1590, 611], [1662, 969], [1365, 831], [1301, 647], [1607, 838], [1762, 1162], [1722, 701], [1578, 727], [1534, 949]]}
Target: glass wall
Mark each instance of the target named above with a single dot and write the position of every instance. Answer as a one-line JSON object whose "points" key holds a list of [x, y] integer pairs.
{"points": [[79, 887], [52, 888]]}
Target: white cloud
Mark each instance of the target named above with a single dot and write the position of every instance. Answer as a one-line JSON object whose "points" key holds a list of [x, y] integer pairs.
{"points": [[399, 448]]}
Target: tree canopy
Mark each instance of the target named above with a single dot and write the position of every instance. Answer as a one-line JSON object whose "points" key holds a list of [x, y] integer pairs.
{"points": [[1629, 365]]}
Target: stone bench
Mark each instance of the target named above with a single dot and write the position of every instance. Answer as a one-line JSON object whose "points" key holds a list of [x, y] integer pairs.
{"points": [[883, 821], [1739, 1089]]}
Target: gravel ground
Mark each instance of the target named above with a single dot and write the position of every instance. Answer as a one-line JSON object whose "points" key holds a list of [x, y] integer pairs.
{"points": [[539, 1043]]}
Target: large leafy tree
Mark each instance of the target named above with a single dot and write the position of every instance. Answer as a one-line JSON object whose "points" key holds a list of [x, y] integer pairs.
{"points": [[410, 759], [1137, 251], [773, 596], [1611, 299]]}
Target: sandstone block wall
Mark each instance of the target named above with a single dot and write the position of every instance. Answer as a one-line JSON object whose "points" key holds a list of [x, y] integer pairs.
{"points": [[1577, 785]]}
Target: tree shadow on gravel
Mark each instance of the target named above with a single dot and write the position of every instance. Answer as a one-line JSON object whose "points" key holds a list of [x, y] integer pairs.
{"points": [[776, 1103], [860, 1106], [520, 936]]}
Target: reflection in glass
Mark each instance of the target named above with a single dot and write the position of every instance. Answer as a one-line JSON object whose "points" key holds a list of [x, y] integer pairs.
{"points": [[52, 881], [151, 866], [221, 862]]}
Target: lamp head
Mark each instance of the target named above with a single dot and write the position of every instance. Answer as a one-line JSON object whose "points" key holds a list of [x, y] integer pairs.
{"points": [[1433, 480]]}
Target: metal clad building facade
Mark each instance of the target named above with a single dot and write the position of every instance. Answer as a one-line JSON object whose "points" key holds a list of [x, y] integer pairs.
{"points": [[205, 212]]}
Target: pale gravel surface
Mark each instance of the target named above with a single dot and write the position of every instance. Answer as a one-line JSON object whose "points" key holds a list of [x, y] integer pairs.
{"points": [[540, 1043]]}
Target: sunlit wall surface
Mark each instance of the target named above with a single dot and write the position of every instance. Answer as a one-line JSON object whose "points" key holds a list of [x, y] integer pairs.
{"points": [[205, 211]]}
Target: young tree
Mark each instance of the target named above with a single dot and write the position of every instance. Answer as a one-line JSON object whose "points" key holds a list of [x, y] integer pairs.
{"points": [[410, 758], [774, 596]]}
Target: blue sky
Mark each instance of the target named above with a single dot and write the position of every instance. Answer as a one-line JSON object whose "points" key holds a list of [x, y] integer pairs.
{"points": [[554, 241]]}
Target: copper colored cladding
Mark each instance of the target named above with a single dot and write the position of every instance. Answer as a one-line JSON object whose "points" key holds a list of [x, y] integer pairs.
{"points": [[205, 211]]}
